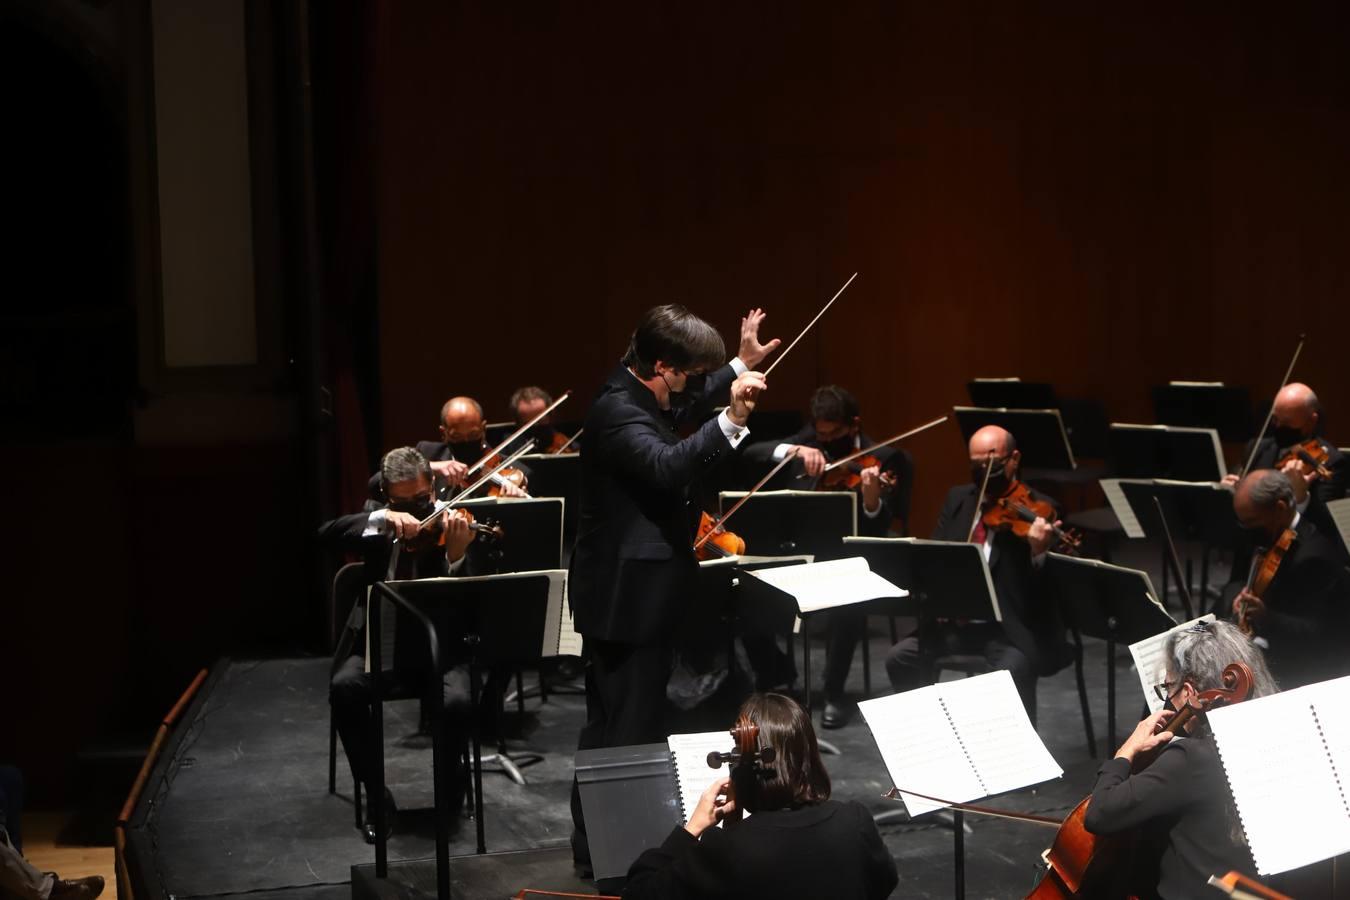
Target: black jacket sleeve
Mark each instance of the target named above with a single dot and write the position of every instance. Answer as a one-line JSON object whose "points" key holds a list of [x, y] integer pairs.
{"points": [[673, 870], [635, 447], [345, 532], [880, 874], [1121, 801]]}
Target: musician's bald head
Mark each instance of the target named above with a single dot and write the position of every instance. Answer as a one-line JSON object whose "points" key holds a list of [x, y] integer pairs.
{"points": [[1264, 499], [991, 439], [1296, 406], [462, 420]]}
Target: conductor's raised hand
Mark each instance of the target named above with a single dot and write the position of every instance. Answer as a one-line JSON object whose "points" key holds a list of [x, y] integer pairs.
{"points": [[745, 392], [752, 352], [713, 806]]}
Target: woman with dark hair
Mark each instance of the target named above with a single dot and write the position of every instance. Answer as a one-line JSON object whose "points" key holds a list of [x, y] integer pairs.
{"points": [[1171, 789], [795, 842]]}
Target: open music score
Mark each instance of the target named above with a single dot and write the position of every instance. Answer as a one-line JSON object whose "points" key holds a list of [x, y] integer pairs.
{"points": [[689, 755], [826, 585], [1287, 758], [958, 740]]}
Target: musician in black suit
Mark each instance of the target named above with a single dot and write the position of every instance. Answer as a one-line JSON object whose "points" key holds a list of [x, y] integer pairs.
{"points": [[1170, 791], [633, 565], [463, 442], [407, 481], [1029, 642], [796, 842], [1296, 418], [833, 433], [1304, 614]]}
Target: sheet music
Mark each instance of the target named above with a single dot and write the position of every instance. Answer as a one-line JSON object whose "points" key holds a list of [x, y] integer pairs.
{"points": [[999, 739], [1286, 791], [1121, 507], [920, 749], [1340, 516], [826, 585], [1331, 706], [692, 772], [1150, 664], [560, 637]]}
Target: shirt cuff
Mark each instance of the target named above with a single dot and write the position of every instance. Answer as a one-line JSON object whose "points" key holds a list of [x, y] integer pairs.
{"points": [[452, 568], [870, 515], [734, 433], [1038, 559], [738, 366], [375, 524], [781, 451]]}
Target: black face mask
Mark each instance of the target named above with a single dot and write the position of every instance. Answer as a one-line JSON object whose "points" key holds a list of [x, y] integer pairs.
{"points": [[838, 448], [467, 452], [543, 436], [998, 479], [1285, 436], [418, 507], [693, 389]]}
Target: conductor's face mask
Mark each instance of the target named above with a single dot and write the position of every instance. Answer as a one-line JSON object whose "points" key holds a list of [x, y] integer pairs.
{"points": [[684, 387]]}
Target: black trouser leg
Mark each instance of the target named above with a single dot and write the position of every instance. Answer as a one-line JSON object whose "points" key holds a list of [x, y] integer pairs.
{"points": [[845, 630]]}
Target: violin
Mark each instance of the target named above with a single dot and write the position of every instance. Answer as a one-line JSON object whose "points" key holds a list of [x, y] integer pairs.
{"points": [[1016, 510], [1081, 864], [715, 542], [561, 443], [431, 531], [1311, 457], [1263, 573], [848, 476], [746, 762]]}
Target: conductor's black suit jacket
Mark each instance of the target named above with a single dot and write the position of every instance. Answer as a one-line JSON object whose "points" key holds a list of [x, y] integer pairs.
{"points": [[1031, 620], [633, 566]]}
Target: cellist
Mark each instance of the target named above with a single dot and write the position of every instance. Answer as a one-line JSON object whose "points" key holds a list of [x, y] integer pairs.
{"points": [[1170, 790]]}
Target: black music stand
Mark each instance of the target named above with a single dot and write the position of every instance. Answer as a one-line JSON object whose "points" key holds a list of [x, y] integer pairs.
{"points": [[1109, 602], [1166, 451], [1196, 511], [1199, 404], [1011, 393], [558, 475], [533, 531], [630, 798], [763, 606], [945, 578], [1039, 433], [499, 620], [791, 523]]}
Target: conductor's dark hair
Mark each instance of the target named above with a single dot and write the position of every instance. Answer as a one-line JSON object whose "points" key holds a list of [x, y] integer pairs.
{"points": [[833, 404], [676, 337], [799, 777]]}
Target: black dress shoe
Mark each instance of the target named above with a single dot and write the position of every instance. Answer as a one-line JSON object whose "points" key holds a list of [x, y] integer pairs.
{"points": [[837, 714], [77, 888], [390, 811]]}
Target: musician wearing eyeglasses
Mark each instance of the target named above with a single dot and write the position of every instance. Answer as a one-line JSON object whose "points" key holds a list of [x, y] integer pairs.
{"points": [[1030, 640], [1295, 597], [1170, 790], [384, 534]]}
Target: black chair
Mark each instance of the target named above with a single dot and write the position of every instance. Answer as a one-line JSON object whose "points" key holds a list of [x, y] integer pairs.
{"points": [[345, 606]]}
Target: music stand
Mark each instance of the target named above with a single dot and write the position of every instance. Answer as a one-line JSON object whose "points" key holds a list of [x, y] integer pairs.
{"points": [[1200, 511], [945, 578], [500, 620], [1039, 433], [718, 599], [558, 475], [1109, 602], [1166, 451], [788, 523], [1011, 393], [1202, 404], [533, 528], [629, 796]]}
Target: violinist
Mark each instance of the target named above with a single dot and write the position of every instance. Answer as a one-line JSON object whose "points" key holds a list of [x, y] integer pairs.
{"points": [[463, 442], [633, 566], [1292, 444], [1302, 615], [1170, 790], [1029, 642], [797, 842], [407, 481], [883, 486], [526, 403]]}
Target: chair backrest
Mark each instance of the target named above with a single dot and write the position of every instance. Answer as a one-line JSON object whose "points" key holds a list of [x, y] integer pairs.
{"points": [[348, 585]]}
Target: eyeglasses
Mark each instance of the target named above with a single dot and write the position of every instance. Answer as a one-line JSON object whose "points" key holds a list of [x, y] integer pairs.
{"points": [[1163, 692]]}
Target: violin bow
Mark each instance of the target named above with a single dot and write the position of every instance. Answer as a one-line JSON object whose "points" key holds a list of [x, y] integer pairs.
{"points": [[791, 454], [517, 433], [569, 441], [886, 443], [1174, 563], [1235, 884], [524, 448], [809, 324], [979, 501], [895, 792], [1266, 424]]}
